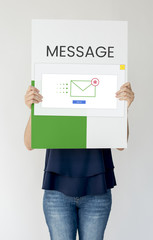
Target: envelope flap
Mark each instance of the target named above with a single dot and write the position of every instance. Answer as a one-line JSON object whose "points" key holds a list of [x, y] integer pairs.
{"points": [[82, 84]]}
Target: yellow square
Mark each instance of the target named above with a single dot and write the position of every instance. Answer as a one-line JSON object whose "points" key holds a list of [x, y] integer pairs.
{"points": [[122, 67]]}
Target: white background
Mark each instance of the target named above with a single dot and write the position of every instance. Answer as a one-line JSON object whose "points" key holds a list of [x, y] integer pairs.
{"points": [[21, 215]]}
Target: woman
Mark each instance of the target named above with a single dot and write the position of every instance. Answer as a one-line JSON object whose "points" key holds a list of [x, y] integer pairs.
{"points": [[77, 183]]}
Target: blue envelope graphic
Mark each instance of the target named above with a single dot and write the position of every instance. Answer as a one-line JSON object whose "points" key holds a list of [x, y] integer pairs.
{"points": [[82, 88]]}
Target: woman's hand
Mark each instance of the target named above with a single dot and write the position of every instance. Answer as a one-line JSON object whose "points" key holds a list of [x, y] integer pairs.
{"points": [[126, 93], [32, 96]]}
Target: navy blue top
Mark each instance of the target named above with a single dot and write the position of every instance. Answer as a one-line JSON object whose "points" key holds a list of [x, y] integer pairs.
{"points": [[79, 172]]}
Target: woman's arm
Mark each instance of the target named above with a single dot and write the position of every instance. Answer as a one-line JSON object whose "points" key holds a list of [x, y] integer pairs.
{"points": [[127, 135], [27, 135], [126, 93], [32, 96]]}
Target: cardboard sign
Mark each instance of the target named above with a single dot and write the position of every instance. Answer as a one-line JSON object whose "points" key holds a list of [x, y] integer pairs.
{"points": [[78, 66]]}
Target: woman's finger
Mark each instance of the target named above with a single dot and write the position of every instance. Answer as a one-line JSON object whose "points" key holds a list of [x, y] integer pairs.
{"points": [[31, 101], [32, 88], [125, 89], [124, 94], [128, 99], [33, 93], [127, 84], [34, 97]]}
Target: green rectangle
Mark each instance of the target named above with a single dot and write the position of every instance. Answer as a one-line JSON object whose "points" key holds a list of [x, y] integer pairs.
{"points": [[57, 131]]}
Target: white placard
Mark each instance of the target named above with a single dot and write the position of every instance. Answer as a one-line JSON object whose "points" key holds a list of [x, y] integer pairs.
{"points": [[98, 48]]}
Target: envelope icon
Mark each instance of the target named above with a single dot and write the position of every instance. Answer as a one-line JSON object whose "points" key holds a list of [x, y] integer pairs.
{"points": [[82, 88]]}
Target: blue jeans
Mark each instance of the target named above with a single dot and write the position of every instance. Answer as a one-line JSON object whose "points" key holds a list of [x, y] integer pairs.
{"points": [[65, 214]]}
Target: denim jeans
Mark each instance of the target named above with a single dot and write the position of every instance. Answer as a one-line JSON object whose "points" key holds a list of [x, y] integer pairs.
{"points": [[65, 215]]}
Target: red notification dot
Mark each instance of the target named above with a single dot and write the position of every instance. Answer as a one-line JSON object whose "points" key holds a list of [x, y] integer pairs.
{"points": [[95, 81]]}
